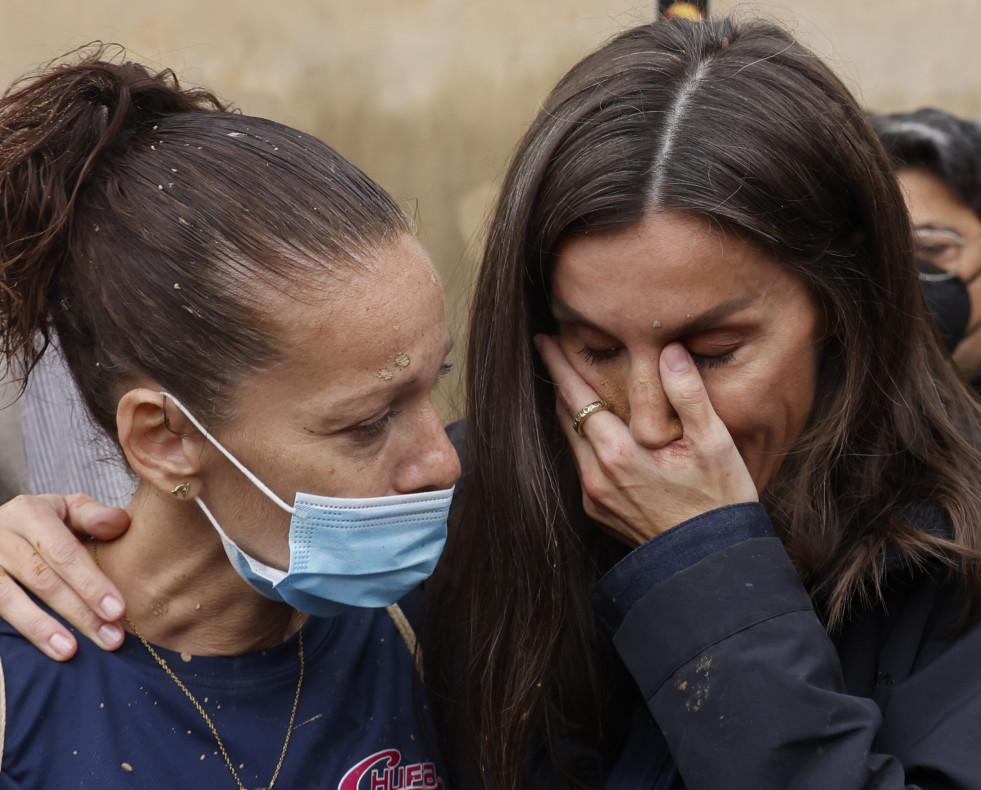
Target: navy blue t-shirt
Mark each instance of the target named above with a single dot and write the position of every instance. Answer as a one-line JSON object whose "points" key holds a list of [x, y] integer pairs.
{"points": [[116, 720]]}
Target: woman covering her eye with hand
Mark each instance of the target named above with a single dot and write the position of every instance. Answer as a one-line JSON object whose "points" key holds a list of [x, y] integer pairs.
{"points": [[723, 480]]}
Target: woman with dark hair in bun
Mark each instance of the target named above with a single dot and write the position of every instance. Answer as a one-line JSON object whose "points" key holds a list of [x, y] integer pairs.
{"points": [[250, 318]]}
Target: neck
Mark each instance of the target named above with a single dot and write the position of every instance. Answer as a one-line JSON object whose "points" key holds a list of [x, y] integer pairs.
{"points": [[181, 591]]}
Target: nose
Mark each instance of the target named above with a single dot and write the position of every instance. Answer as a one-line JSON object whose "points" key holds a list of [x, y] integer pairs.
{"points": [[653, 421], [432, 463]]}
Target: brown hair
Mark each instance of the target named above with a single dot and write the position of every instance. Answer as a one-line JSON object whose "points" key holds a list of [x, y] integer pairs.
{"points": [[740, 125], [142, 222]]}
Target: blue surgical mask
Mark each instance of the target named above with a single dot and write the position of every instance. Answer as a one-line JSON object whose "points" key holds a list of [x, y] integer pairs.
{"points": [[344, 553]]}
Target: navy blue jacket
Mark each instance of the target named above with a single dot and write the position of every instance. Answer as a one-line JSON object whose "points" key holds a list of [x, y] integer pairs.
{"points": [[748, 690]]}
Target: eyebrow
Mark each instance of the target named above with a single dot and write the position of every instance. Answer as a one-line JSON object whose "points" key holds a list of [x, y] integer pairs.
{"points": [[698, 323]]}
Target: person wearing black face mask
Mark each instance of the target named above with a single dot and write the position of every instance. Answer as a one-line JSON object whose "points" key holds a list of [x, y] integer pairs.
{"points": [[937, 157], [938, 162], [948, 295]]}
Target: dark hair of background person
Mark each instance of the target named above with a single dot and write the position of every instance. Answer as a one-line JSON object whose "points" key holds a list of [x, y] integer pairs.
{"points": [[946, 146], [742, 126], [146, 225]]}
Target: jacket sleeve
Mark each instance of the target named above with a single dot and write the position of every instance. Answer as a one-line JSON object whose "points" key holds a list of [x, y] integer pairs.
{"points": [[747, 687]]}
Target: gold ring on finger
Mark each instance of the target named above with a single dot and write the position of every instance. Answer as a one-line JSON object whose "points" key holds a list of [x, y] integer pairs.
{"points": [[590, 408]]}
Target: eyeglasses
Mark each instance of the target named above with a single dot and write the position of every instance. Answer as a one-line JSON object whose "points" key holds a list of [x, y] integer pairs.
{"points": [[940, 246]]}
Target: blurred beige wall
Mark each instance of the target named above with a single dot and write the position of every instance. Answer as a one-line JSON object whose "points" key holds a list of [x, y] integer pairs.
{"points": [[429, 96]]}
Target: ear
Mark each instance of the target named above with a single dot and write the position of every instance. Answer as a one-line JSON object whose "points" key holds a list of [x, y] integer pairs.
{"points": [[162, 447]]}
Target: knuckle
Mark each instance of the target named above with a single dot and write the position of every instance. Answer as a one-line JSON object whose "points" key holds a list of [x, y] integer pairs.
{"points": [[19, 501], [592, 487], [618, 459], [83, 617], [22, 613], [613, 455], [63, 551], [22, 506], [13, 512], [10, 593], [691, 392], [37, 628], [40, 577], [716, 444], [87, 587]]}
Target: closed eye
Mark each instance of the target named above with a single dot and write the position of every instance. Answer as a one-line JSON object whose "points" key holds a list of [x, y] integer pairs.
{"points": [[708, 361], [372, 429], [594, 355]]}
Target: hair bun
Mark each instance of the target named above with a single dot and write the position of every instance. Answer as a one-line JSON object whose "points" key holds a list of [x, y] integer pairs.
{"points": [[55, 126]]}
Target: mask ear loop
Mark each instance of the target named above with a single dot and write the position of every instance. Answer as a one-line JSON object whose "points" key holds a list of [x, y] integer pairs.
{"points": [[238, 464], [268, 572]]}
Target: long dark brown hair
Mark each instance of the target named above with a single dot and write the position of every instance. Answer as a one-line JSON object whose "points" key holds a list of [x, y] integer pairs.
{"points": [[740, 125], [144, 223]]}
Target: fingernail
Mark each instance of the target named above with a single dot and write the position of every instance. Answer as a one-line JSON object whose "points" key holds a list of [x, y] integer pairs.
{"points": [[112, 607], [61, 644], [676, 358], [110, 634]]}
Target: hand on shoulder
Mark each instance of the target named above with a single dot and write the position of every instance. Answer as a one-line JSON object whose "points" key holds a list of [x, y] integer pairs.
{"points": [[40, 553]]}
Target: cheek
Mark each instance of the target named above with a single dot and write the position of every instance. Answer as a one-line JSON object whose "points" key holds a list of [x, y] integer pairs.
{"points": [[609, 379], [767, 412], [354, 477], [613, 390]]}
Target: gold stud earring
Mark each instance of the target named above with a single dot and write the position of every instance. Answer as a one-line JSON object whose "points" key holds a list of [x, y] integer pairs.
{"points": [[181, 490]]}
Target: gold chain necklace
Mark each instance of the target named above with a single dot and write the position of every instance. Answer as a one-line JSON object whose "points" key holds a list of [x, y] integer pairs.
{"points": [[211, 726]]}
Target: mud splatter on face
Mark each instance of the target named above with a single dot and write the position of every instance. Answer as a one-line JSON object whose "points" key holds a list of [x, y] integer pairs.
{"points": [[385, 374], [615, 394], [402, 360], [656, 325]]}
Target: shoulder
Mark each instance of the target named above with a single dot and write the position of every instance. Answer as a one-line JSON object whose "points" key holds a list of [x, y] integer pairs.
{"points": [[69, 698]]}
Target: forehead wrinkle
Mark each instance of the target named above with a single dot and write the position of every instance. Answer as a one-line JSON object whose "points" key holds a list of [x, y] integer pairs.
{"points": [[395, 385], [565, 312]]}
